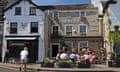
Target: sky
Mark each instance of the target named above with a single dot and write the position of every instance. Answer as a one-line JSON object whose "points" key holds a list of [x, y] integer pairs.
{"points": [[60, 2]]}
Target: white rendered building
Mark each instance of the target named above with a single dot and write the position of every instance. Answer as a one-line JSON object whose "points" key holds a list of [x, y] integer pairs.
{"points": [[24, 26]]}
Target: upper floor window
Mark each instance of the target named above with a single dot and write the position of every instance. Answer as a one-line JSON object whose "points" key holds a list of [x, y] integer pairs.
{"points": [[55, 15], [18, 11], [69, 30], [13, 27], [34, 27], [82, 14], [83, 30], [55, 30], [83, 44], [32, 11]]}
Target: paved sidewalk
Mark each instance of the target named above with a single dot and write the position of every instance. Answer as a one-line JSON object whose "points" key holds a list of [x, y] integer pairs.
{"points": [[36, 67]]}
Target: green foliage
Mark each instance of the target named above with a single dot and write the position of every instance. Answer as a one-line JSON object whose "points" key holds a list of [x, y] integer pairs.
{"points": [[65, 60], [114, 37], [116, 28], [62, 42], [47, 60]]}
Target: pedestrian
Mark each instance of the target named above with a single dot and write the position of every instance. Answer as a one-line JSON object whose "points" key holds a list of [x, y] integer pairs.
{"points": [[58, 54], [64, 55], [6, 57], [23, 58], [73, 56]]}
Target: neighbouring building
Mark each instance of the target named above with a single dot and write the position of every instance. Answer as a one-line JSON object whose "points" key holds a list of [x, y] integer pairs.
{"points": [[24, 26], [72, 26], [107, 23]]}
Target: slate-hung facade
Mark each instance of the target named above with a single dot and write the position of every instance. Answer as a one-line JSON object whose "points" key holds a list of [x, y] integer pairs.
{"points": [[24, 26], [78, 25]]}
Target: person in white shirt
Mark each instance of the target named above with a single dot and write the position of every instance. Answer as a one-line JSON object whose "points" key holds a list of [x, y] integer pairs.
{"points": [[64, 55], [23, 58]]}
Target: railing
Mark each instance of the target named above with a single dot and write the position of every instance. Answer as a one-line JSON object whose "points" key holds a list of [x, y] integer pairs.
{"points": [[56, 35]]}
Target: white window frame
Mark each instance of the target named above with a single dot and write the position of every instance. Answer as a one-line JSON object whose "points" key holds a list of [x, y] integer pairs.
{"points": [[82, 25], [81, 42], [81, 14], [69, 42], [66, 29], [54, 14]]}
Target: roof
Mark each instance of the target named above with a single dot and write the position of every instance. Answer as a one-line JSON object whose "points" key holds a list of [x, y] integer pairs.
{"points": [[12, 3], [3, 2], [68, 7]]}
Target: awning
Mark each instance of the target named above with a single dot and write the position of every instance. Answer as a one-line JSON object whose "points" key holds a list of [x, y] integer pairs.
{"points": [[20, 38]]}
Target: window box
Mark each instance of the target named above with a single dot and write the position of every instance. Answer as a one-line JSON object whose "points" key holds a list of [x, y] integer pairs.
{"points": [[47, 62], [84, 65], [64, 63]]}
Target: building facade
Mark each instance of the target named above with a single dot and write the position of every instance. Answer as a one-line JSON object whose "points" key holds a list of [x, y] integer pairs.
{"points": [[24, 26], [72, 26]]}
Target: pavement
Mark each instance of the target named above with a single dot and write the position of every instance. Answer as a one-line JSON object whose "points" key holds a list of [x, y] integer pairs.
{"points": [[37, 67]]}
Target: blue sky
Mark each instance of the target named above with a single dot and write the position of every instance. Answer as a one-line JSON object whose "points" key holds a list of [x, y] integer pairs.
{"points": [[60, 2]]}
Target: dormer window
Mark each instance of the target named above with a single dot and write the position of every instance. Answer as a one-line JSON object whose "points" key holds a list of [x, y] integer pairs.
{"points": [[32, 11], [18, 11]]}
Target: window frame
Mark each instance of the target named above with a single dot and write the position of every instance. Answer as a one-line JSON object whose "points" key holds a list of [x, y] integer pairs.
{"points": [[32, 11], [68, 32], [56, 30], [18, 10], [79, 46], [13, 27], [32, 28], [81, 14], [82, 32], [70, 44]]}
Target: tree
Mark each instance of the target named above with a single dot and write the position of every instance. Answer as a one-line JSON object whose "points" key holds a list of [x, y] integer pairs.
{"points": [[115, 37]]}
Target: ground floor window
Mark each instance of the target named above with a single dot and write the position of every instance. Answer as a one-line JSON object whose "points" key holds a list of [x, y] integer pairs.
{"points": [[83, 44], [69, 45]]}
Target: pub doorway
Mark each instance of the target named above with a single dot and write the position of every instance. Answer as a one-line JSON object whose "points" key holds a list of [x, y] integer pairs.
{"points": [[15, 47]]}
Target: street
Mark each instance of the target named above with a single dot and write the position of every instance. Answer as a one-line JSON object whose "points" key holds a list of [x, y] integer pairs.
{"points": [[12, 70], [7, 70]]}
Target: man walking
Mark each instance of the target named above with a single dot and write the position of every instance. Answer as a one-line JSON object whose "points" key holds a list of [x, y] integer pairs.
{"points": [[23, 58]]}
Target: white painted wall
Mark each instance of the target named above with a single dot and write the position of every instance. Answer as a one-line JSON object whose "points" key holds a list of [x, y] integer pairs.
{"points": [[25, 18]]}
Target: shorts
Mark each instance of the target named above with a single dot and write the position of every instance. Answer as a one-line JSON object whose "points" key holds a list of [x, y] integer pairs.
{"points": [[23, 61]]}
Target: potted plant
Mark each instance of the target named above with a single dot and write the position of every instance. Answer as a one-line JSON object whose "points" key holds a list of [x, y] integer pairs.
{"points": [[64, 63], [47, 62], [83, 64]]}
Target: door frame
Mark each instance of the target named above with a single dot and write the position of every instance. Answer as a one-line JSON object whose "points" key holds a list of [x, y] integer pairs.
{"points": [[51, 48]]}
